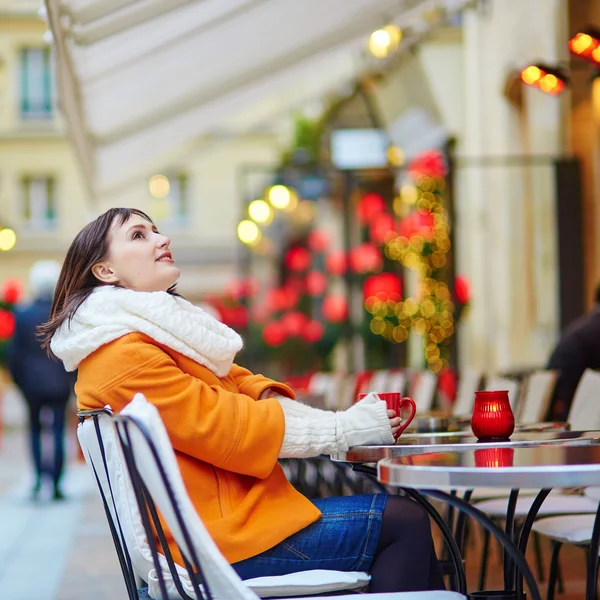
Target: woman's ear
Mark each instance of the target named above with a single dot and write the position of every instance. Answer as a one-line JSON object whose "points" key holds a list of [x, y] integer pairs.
{"points": [[102, 272]]}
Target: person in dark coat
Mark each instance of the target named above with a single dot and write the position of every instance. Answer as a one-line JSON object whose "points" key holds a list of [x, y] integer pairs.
{"points": [[43, 382], [577, 350]]}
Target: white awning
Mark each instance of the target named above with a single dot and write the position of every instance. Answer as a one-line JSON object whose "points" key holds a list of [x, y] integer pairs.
{"points": [[141, 78]]}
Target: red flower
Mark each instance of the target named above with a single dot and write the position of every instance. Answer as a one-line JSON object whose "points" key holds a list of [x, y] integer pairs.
{"points": [[365, 258], [384, 286], [313, 331], [7, 324], [428, 164], [369, 206], [12, 290], [316, 283], [274, 334], [318, 240], [298, 259], [335, 262], [462, 289], [335, 308], [381, 227], [293, 323], [417, 223]]}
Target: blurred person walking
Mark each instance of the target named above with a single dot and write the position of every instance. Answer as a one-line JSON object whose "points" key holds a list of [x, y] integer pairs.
{"points": [[43, 382], [577, 350]]}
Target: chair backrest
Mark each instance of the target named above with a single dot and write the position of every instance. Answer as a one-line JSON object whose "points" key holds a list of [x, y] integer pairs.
{"points": [[585, 409], [379, 382], [539, 386], [148, 452], [469, 382], [397, 381], [423, 392], [504, 383], [101, 449]]}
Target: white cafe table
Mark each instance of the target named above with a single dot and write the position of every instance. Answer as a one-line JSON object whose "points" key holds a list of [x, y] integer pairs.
{"points": [[423, 443], [543, 467]]}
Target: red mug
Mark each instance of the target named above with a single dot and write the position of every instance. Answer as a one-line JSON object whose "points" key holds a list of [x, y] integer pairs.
{"points": [[395, 402]]}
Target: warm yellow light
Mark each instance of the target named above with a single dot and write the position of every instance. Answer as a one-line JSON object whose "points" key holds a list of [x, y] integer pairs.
{"points": [[248, 232], [530, 74], [279, 196], [159, 186], [395, 156], [260, 211], [596, 54], [395, 34], [548, 83], [581, 43], [409, 193], [8, 239], [379, 43]]}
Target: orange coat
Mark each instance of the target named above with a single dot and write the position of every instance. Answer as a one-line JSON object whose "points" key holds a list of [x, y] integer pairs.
{"points": [[227, 443]]}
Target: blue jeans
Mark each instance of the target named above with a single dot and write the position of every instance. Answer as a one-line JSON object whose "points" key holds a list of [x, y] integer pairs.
{"points": [[345, 538]]}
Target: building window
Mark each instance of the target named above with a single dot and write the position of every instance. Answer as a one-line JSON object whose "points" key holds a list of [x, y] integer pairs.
{"points": [[178, 200], [39, 202], [36, 84], [170, 198]]}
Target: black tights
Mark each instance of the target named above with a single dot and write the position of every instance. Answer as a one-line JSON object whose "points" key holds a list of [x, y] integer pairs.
{"points": [[405, 559]]}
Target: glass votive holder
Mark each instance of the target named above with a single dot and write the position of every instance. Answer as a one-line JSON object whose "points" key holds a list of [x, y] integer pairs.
{"points": [[492, 417]]}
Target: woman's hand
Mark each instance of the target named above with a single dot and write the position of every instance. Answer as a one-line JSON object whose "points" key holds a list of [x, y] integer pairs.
{"points": [[395, 422]]}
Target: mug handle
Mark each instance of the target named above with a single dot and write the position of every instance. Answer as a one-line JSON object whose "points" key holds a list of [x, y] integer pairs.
{"points": [[413, 411]]}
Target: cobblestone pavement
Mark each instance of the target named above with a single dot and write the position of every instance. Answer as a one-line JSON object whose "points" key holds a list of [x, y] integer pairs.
{"points": [[53, 550]]}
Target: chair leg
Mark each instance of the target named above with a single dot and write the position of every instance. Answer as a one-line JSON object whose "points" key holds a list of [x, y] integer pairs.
{"points": [[484, 559], [556, 546]]}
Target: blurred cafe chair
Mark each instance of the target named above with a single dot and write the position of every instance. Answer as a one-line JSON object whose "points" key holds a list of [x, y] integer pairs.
{"points": [[537, 394], [423, 390], [469, 382]]}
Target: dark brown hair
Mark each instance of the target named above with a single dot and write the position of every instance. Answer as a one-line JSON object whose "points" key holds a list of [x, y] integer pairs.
{"points": [[76, 281]]}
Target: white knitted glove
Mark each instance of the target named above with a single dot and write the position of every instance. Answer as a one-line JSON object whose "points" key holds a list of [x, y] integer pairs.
{"points": [[310, 431]]}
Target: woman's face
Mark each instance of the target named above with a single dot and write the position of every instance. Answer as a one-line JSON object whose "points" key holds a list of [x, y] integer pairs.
{"points": [[138, 258]]}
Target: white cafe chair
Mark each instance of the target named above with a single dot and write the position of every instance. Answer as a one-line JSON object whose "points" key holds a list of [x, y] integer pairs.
{"points": [[534, 405], [154, 460], [423, 390], [469, 382]]}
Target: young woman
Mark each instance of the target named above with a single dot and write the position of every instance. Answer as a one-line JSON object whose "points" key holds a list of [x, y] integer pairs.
{"points": [[116, 318]]}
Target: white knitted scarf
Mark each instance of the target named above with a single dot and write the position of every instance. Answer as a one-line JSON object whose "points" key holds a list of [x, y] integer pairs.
{"points": [[111, 312]]}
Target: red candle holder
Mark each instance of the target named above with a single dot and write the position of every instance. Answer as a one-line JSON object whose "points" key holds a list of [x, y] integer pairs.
{"points": [[494, 457], [492, 419]]}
